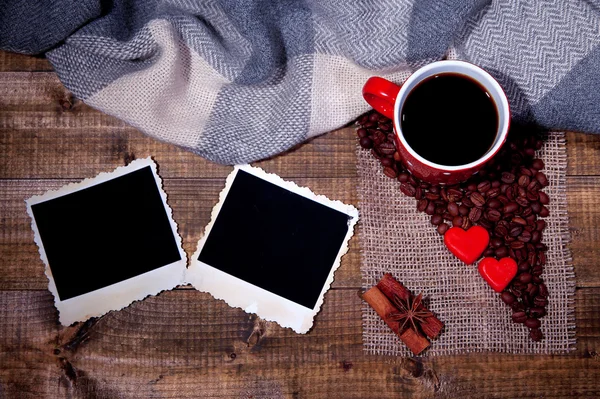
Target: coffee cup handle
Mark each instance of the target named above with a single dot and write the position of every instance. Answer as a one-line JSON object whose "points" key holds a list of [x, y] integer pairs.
{"points": [[381, 94]]}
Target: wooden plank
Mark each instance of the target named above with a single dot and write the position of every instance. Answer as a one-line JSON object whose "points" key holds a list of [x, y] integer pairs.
{"points": [[39, 138], [583, 153], [13, 62], [192, 201], [583, 198], [185, 343]]}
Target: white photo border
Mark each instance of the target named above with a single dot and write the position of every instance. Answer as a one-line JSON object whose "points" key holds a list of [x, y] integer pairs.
{"points": [[119, 295], [249, 297]]}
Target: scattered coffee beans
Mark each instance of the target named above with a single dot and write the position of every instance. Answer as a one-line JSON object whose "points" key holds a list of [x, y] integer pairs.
{"points": [[505, 198]]}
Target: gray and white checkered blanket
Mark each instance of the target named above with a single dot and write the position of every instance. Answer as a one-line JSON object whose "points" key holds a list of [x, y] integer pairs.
{"points": [[237, 81]]}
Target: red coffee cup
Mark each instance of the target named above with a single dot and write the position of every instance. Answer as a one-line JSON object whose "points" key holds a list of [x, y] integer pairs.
{"points": [[389, 99]]}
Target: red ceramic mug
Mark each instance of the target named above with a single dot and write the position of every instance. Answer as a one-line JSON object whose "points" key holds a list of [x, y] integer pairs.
{"points": [[389, 99]]}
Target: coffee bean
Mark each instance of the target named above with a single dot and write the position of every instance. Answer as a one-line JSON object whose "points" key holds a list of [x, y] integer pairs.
{"points": [[454, 194], [519, 317], [508, 298], [543, 290], [484, 186], [374, 117], [430, 210], [436, 219], [524, 181], [537, 164], [501, 230], [477, 199], [510, 193], [544, 212], [537, 312], [453, 209], [486, 224], [432, 196], [532, 195], [536, 334], [466, 201], [525, 171], [542, 258], [389, 162], [544, 199], [386, 148], [523, 201], [444, 194], [535, 236], [523, 266], [385, 127], [407, 189], [496, 184], [466, 224], [493, 193], [542, 179], [493, 215], [494, 204], [418, 192], [496, 242], [536, 207], [503, 199], [525, 278], [511, 207], [463, 210], [540, 301], [366, 142], [488, 252], [442, 228], [508, 177], [403, 177], [532, 289], [422, 204], [475, 214], [389, 172], [525, 236], [457, 221], [532, 323], [515, 231], [517, 244], [502, 252]]}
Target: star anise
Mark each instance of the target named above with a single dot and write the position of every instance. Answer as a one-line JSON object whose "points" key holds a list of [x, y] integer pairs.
{"points": [[410, 312]]}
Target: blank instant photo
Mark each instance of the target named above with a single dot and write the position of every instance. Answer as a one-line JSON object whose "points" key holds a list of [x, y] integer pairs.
{"points": [[107, 241], [272, 247]]}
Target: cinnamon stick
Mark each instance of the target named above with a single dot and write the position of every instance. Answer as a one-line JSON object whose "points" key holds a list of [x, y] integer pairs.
{"points": [[378, 301], [388, 285]]}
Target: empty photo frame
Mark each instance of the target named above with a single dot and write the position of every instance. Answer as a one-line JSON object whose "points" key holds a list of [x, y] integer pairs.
{"points": [[107, 241], [272, 247]]}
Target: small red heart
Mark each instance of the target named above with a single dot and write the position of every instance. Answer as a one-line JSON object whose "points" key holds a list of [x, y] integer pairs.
{"points": [[498, 274], [467, 245]]}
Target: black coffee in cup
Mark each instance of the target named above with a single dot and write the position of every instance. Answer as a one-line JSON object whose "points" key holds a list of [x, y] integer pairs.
{"points": [[449, 119]]}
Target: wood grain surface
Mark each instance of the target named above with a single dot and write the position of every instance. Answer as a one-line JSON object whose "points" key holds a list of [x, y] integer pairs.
{"points": [[184, 343]]}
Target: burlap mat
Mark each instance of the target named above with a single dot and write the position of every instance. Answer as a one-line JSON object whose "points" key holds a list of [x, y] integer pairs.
{"points": [[398, 239]]}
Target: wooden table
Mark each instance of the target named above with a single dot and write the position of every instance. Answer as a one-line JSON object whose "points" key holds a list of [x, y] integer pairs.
{"points": [[184, 343]]}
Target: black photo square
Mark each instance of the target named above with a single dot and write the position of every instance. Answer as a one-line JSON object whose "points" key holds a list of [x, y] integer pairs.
{"points": [[106, 231], [277, 236]]}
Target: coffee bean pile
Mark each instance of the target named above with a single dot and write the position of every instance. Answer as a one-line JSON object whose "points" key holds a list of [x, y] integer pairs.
{"points": [[505, 198]]}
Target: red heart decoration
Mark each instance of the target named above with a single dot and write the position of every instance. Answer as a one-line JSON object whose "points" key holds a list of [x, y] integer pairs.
{"points": [[498, 274], [467, 245]]}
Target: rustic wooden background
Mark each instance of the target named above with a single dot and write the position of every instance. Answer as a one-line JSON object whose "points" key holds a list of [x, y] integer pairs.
{"points": [[184, 343]]}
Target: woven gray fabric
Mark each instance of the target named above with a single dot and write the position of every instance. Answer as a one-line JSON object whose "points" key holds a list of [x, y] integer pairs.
{"points": [[395, 238], [240, 81]]}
